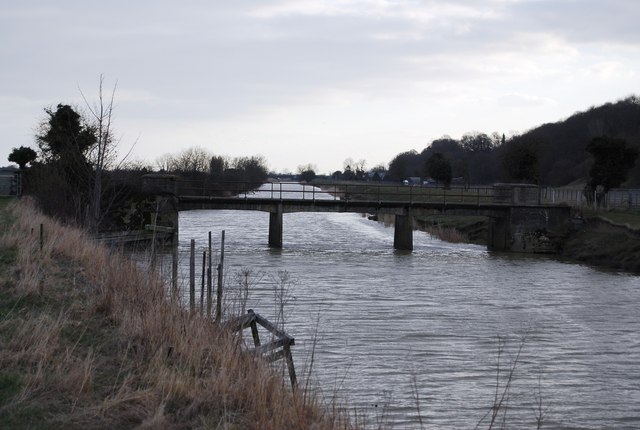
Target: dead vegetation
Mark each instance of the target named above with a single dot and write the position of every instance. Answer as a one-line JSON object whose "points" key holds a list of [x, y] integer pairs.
{"points": [[88, 341]]}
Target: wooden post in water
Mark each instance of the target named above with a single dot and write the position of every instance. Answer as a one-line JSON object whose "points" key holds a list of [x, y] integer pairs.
{"points": [[209, 298], [220, 278], [204, 270], [192, 276]]}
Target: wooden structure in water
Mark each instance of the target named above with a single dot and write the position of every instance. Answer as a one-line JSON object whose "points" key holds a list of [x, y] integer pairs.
{"points": [[277, 349]]}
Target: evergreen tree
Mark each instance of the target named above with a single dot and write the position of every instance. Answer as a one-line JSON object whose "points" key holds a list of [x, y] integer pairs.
{"points": [[439, 168], [22, 156], [612, 160]]}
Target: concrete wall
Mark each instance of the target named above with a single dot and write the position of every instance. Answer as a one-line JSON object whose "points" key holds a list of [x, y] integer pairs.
{"points": [[529, 230], [516, 194]]}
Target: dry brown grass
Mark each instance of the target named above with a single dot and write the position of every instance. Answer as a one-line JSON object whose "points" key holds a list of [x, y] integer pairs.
{"points": [[447, 234], [88, 341]]}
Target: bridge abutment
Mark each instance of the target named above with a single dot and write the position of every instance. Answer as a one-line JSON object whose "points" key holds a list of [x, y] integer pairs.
{"points": [[403, 231], [275, 227], [534, 229]]}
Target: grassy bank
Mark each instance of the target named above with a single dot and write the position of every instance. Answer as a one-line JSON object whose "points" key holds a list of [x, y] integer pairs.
{"points": [[608, 240], [88, 341], [455, 228], [450, 228]]}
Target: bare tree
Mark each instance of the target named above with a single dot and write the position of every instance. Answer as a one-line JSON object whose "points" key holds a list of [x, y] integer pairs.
{"points": [[348, 164], [103, 154], [194, 159], [165, 162], [104, 150], [307, 167]]}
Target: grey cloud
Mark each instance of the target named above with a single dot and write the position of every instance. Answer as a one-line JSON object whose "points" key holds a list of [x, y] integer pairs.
{"points": [[220, 59]]}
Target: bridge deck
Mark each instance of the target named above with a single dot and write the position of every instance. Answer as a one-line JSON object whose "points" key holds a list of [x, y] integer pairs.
{"points": [[288, 205]]}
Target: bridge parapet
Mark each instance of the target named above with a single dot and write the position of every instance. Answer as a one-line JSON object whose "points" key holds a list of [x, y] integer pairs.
{"points": [[516, 194]]}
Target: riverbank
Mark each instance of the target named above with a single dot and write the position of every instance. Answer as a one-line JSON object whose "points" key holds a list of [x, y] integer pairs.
{"points": [[603, 241], [606, 240], [88, 341]]}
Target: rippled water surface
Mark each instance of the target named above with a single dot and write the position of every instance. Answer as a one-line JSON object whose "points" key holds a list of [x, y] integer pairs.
{"points": [[391, 325]]}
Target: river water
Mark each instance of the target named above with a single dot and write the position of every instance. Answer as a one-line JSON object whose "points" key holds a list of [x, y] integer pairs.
{"points": [[387, 327]]}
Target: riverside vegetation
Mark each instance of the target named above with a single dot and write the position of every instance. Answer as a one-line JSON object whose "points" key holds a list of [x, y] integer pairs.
{"points": [[89, 341]]}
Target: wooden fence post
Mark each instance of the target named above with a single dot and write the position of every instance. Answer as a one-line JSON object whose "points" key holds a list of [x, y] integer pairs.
{"points": [[41, 237], [220, 279], [174, 264], [292, 370], [192, 276], [209, 298], [254, 333], [204, 270]]}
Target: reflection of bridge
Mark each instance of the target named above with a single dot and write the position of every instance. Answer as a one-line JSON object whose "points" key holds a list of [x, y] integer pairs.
{"points": [[516, 223]]}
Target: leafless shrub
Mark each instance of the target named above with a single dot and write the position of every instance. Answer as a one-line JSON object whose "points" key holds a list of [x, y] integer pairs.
{"points": [[500, 407]]}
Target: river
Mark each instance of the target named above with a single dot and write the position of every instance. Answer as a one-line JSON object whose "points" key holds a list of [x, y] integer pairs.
{"points": [[389, 326]]}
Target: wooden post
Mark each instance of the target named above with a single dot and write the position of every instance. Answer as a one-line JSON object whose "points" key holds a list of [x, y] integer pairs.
{"points": [[220, 278], [174, 265], [254, 333], [41, 237], [209, 298], [192, 276], [154, 222], [292, 370], [204, 270]]}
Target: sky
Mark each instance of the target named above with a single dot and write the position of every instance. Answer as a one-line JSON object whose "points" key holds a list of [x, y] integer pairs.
{"points": [[312, 82]]}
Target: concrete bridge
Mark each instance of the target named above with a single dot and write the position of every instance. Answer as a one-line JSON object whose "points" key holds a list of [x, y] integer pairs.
{"points": [[518, 222]]}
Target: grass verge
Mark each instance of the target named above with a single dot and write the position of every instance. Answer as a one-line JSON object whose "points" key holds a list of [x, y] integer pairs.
{"points": [[605, 242], [628, 219]]}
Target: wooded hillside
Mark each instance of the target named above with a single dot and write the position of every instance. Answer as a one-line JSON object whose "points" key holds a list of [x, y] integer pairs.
{"points": [[552, 154]]}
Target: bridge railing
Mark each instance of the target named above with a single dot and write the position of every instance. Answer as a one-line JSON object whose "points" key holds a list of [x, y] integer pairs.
{"points": [[410, 193], [387, 192], [617, 198], [338, 191]]}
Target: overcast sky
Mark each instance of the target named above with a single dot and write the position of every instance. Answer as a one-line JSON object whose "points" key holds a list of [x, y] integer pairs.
{"points": [[313, 81]]}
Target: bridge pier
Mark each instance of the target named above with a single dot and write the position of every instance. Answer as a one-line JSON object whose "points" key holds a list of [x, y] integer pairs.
{"points": [[275, 227], [403, 231]]}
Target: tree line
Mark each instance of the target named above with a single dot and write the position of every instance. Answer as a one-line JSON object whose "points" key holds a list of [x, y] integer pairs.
{"points": [[76, 175], [583, 149]]}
